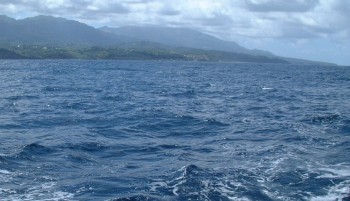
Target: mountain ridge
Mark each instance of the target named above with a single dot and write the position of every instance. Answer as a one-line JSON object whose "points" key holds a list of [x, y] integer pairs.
{"points": [[182, 37], [70, 39], [54, 30]]}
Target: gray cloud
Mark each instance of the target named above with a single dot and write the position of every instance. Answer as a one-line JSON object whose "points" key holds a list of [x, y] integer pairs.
{"points": [[138, 1], [169, 12], [114, 8], [253, 18], [296, 31], [256, 20], [343, 7], [218, 20], [10, 2], [281, 5], [68, 7]]}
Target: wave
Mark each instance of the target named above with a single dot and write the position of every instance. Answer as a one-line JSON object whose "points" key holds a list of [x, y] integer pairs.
{"points": [[139, 198], [34, 150], [329, 118], [22, 97], [193, 183], [99, 130], [85, 146], [339, 192], [14, 187], [336, 121], [44, 191]]}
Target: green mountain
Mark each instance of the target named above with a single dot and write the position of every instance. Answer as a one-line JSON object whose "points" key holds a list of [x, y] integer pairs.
{"points": [[53, 31], [182, 37], [7, 54], [47, 37]]}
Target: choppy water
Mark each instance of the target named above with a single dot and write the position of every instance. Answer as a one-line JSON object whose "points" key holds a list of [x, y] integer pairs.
{"points": [[136, 130]]}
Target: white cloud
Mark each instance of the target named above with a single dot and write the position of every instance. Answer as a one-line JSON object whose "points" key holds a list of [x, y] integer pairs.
{"points": [[280, 5], [253, 18], [260, 21]]}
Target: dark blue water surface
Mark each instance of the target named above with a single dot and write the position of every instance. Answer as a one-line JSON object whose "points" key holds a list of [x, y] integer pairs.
{"points": [[140, 130]]}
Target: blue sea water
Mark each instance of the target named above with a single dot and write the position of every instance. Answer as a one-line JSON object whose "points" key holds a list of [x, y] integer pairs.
{"points": [[156, 130]]}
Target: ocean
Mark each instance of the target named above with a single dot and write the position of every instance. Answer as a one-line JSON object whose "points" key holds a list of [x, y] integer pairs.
{"points": [[170, 130]]}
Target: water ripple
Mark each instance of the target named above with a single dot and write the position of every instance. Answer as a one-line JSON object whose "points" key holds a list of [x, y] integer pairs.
{"points": [[137, 130]]}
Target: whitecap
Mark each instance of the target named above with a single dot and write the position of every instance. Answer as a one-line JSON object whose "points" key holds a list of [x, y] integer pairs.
{"points": [[334, 173], [154, 185], [4, 172], [337, 192], [45, 191], [267, 88]]}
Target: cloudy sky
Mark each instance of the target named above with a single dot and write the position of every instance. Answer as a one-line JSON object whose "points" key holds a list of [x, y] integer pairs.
{"points": [[310, 29]]}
